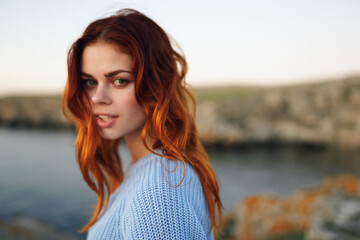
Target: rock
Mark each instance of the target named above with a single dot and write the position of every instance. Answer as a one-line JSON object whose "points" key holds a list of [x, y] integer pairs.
{"points": [[327, 212], [14, 232], [36, 111], [336, 218], [321, 115], [26, 228]]}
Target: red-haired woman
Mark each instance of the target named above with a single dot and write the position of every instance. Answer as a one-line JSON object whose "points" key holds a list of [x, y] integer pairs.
{"points": [[125, 81]]}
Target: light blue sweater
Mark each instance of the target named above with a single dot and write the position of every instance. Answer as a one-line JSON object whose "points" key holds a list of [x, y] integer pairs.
{"points": [[145, 206]]}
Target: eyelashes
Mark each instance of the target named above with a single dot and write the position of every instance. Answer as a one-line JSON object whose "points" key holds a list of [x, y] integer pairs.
{"points": [[116, 82], [88, 82], [120, 82]]}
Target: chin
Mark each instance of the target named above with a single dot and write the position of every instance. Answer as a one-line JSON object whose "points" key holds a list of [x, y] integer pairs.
{"points": [[109, 134]]}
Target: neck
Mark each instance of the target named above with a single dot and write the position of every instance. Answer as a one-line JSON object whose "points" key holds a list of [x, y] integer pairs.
{"points": [[136, 146]]}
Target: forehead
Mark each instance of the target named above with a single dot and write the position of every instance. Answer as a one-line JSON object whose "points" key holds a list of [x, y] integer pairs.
{"points": [[104, 57]]}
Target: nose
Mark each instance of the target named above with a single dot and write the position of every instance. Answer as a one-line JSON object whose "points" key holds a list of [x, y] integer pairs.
{"points": [[101, 95]]}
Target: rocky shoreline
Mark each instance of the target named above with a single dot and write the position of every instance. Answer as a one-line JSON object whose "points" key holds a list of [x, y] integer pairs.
{"points": [[33, 112], [27, 228], [318, 115], [329, 211], [323, 114]]}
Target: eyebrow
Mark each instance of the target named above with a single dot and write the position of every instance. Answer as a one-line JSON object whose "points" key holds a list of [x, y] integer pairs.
{"points": [[110, 74]]}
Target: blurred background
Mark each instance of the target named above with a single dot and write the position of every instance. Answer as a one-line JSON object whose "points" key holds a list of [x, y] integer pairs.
{"points": [[278, 90]]}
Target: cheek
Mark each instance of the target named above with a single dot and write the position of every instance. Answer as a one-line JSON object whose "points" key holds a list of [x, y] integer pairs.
{"points": [[128, 105], [137, 111], [124, 101]]}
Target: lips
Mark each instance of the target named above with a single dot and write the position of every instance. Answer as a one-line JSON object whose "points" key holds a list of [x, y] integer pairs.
{"points": [[105, 120]]}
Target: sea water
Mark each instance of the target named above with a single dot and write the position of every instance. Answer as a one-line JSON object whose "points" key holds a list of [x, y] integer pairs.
{"points": [[40, 178]]}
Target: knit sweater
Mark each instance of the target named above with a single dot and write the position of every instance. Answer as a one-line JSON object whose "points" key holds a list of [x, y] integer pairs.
{"points": [[145, 206]]}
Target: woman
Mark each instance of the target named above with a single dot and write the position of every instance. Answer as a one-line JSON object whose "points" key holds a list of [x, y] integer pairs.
{"points": [[125, 81]]}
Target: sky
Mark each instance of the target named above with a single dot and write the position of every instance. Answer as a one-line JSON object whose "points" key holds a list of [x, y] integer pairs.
{"points": [[238, 42]]}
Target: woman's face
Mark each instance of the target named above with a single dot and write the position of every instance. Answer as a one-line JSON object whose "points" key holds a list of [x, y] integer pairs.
{"points": [[110, 86]]}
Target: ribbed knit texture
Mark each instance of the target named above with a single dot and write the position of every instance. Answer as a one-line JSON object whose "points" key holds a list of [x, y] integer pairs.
{"points": [[145, 206]]}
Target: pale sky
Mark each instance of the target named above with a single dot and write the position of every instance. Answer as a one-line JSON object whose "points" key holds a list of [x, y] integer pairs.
{"points": [[252, 42]]}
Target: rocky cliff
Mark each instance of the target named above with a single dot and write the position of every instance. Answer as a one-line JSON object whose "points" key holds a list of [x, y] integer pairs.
{"points": [[324, 114], [32, 112]]}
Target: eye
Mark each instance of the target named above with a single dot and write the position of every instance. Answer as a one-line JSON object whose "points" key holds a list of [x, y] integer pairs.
{"points": [[120, 82], [88, 82]]}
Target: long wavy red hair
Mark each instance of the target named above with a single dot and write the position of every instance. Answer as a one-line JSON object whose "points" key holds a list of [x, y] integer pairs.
{"points": [[160, 89]]}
